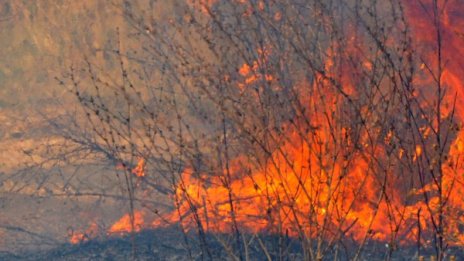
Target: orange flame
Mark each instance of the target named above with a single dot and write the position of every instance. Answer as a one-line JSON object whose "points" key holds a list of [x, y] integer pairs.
{"points": [[301, 191], [304, 185], [125, 225], [139, 170], [79, 237]]}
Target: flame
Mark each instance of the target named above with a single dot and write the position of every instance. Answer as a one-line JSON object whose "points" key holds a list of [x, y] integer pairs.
{"points": [[125, 225], [139, 169], [79, 237], [251, 74], [452, 79], [299, 191], [305, 184]]}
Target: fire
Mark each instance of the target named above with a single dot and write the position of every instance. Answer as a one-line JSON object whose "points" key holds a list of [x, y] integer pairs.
{"points": [[304, 186], [131, 223], [139, 169], [126, 224], [250, 74], [79, 237], [319, 181]]}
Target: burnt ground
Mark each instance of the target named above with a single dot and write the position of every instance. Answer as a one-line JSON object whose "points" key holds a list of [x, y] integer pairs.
{"points": [[169, 244]]}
